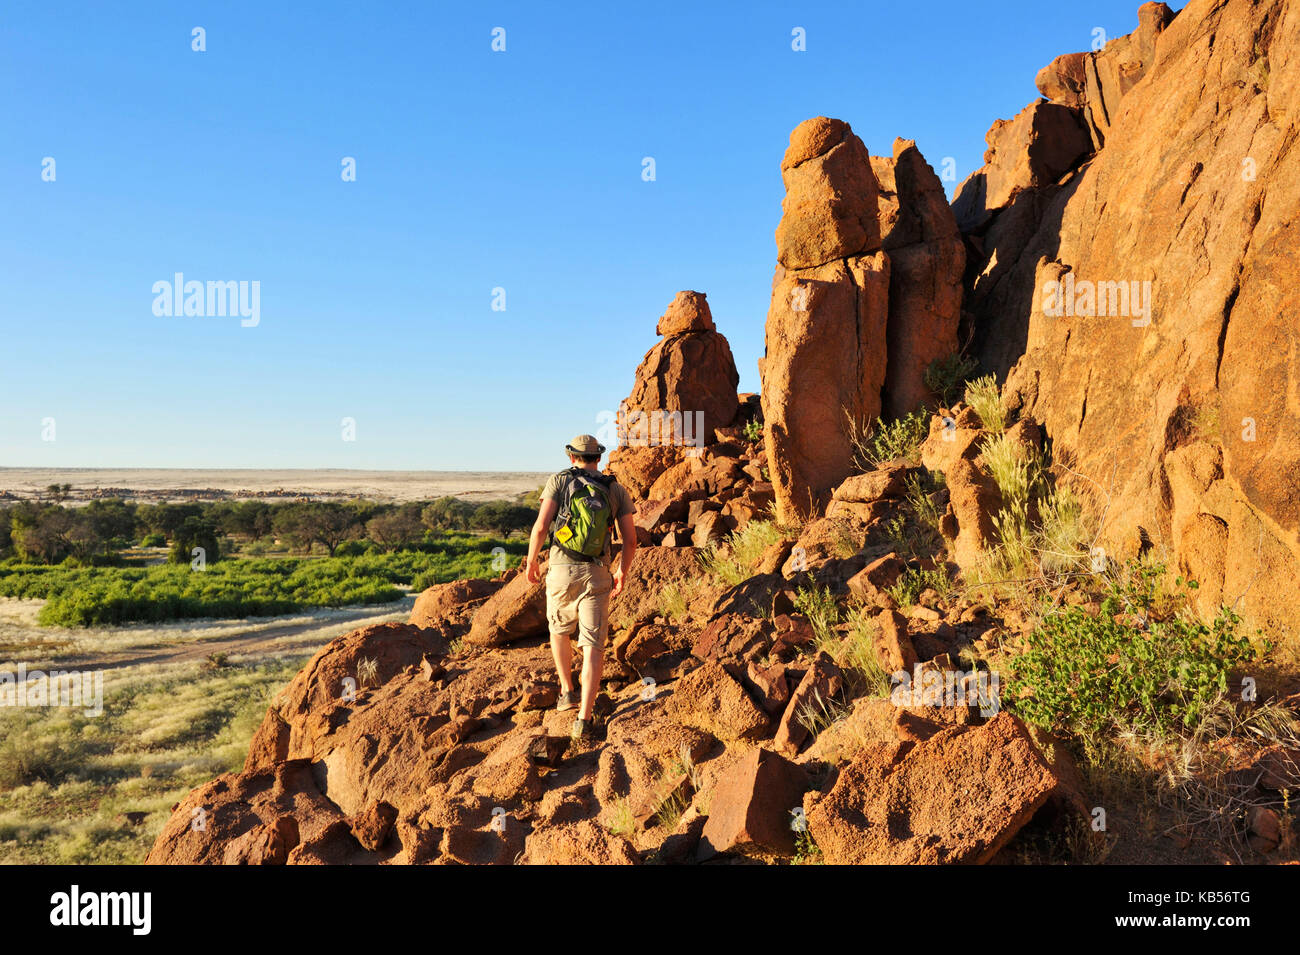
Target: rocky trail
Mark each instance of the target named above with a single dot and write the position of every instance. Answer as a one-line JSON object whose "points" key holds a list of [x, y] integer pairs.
{"points": [[856, 633]]}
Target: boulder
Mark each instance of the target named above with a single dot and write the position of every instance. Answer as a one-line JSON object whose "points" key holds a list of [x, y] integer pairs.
{"points": [[636, 467], [581, 843], [373, 824], [653, 570], [884, 482], [894, 648], [823, 372], [515, 612], [829, 211], [250, 818], [298, 714], [709, 698], [451, 604], [810, 701], [871, 583], [753, 806], [732, 635], [688, 312], [1044, 141], [956, 797]]}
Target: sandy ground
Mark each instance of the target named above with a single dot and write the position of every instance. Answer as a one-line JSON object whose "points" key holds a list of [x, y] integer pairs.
{"points": [[150, 645], [179, 484]]}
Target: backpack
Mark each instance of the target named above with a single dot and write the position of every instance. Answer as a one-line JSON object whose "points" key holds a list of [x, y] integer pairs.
{"points": [[586, 514]]}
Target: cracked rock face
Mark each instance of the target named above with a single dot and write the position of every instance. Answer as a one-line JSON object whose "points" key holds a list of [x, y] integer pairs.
{"points": [[926, 261], [1186, 415]]}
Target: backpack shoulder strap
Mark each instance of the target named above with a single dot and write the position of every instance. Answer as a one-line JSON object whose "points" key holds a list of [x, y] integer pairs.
{"points": [[564, 487]]}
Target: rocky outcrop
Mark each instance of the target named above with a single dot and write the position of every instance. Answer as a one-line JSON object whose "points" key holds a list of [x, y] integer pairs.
{"points": [[926, 261], [739, 716], [1144, 302], [867, 294], [685, 387], [1095, 82], [514, 612], [394, 745], [824, 364], [1041, 144]]}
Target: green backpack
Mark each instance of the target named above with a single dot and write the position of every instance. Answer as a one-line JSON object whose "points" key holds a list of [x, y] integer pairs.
{"points": [[585, 517]]}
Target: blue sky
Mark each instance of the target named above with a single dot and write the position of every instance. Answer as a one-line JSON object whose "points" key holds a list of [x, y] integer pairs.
{"points": [[475, 170]]}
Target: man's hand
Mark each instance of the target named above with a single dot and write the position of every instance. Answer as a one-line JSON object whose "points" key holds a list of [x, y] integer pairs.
{"points": [[532, 571], [618, 581]]}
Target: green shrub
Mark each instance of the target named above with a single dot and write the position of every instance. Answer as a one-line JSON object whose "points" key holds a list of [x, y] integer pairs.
{"points": [[1132, 667], [355, 548], [153, 540], [886, 441], [82, 596]]}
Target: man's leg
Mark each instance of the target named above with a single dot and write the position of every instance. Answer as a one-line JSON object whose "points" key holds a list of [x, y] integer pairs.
{"points": [[593, 664], [593, 628], [562, 623], [562, 653]]}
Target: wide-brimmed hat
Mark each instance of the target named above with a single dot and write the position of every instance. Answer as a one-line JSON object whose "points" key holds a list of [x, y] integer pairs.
{"points": [[584, 444]]}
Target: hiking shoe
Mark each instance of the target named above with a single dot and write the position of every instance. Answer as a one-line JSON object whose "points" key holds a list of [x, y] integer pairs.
{"points": [[582, 730], [567, 701]]}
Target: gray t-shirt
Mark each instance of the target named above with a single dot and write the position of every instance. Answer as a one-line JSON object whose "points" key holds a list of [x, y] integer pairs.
{"points": [[620, 500]]}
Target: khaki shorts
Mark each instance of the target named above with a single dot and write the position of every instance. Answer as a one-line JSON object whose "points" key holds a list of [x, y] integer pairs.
{"points": [[577, 597]]}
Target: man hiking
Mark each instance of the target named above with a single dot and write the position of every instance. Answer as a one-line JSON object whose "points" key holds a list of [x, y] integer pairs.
{"points": [[585, 506]]}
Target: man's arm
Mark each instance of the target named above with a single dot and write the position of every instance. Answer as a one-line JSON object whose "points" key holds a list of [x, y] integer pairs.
{"points": [[544, 517], [627, 534]]}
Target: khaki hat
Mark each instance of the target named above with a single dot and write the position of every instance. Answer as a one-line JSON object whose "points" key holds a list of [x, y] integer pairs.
{"points": [[584, 444]]}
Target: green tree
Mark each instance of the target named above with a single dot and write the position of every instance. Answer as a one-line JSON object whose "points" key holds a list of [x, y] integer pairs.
{"points": [[195, 532], [37, 533], [167, 519], [502, 517], [325, 522], [448, 514], [113, 521], [251, 519], [398, 528]]}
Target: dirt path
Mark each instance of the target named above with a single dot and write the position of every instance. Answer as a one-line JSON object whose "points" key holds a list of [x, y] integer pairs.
{"points": [[300, 634]]}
